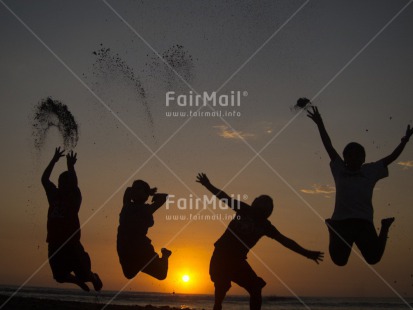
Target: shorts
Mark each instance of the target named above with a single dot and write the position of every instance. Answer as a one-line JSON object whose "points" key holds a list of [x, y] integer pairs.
{"points": [[137, 256], [69, 258], [351, 231], [225, 269]]}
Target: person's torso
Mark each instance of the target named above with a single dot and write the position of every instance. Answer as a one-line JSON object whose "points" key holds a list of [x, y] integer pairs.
{"points": [[242, 234], [134, 222], [62, 218], [354, 191]]}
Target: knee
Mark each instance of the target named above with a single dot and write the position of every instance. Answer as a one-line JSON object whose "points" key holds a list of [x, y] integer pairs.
{"points": [[60, 278], [339, 258], [161, 276], [221, 290], [255, 289], [129, 275], [255, 292], [372, 256], [128, 270], [372, 260], [339, 261]]}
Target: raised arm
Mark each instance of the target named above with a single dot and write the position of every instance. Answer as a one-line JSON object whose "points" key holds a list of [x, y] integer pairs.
{"points": [[71, 161], [48, 171], [399, 149], [203, 179], [232, 203], [325, 138], [294, 246]]}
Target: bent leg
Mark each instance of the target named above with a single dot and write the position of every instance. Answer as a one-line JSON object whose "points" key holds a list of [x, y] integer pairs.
{"points": [[255, 299], [220, 270], [248, 279], [81, 264], [157, 267], [137, 257], [128, 262], [82, 267], [371, 245], [341, 241], [70, 278], [221, 290], [60, 260]]}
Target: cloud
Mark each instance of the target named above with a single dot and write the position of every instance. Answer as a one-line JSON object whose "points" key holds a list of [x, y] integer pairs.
{"points": [[318, 189], [406, 164], [266, 127], [227, 133]]}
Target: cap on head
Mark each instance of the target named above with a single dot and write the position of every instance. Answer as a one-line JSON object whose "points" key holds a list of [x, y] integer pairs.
{"points": [[141, 185], [263, 206], [140, 191]]}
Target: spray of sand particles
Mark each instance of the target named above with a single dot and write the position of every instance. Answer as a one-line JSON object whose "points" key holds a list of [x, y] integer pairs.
{"points": [[53, 113]]}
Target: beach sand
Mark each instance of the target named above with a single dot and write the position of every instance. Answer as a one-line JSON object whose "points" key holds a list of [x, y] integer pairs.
{"points": [[25, 303]]}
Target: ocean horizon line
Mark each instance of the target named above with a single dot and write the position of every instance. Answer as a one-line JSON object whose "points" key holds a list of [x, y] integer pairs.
{"points": [[15, 287]]}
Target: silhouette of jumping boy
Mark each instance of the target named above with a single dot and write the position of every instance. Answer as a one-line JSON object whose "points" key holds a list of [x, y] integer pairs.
{"points": [[67, 258], [229, 260], [352, 219], [135, 249]]}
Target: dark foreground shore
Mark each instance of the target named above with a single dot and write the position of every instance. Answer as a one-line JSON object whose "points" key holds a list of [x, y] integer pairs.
{"points": [[26, 303]]}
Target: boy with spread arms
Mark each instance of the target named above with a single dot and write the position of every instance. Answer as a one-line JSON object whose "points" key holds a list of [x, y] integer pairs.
{"points": [[229, 261], [352, 219]]}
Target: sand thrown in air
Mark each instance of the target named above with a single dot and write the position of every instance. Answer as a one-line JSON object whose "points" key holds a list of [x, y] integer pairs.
{"points": [[176, 69], [302, 104], [53, 113], [112, 67]]}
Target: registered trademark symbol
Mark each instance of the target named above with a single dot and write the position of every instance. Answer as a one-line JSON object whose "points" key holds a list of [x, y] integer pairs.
{"points": [[245, 197], [245, 93]]}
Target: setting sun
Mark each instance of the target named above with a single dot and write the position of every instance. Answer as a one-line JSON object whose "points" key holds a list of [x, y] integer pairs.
{"points": [[185, 278]]}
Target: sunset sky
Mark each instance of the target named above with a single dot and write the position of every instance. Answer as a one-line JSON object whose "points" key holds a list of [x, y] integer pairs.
{"points": [[353, 58]]}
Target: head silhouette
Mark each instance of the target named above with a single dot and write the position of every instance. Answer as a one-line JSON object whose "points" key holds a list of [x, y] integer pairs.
{"points": [[140, 191], [66, 181], [263, 206], [354, 155]]}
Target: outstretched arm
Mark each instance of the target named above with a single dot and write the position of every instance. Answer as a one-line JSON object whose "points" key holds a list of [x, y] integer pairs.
{"points": [[294, 246], [316, 117], [71, 161], [203, 179], [48, 171], [232, 203], [399, 149]]}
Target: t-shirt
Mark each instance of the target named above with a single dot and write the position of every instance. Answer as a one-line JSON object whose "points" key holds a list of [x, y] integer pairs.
{"points": [[62, 216], [354, 189], [243, 232], [134, 222]]}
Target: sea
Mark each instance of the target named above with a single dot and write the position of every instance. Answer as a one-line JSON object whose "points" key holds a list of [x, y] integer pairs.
{"points": [[199, 301]]}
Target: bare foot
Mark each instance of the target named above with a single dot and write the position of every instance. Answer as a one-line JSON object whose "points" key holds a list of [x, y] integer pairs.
{"points": [[165, 253], [386, 223], [97, 283]]}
